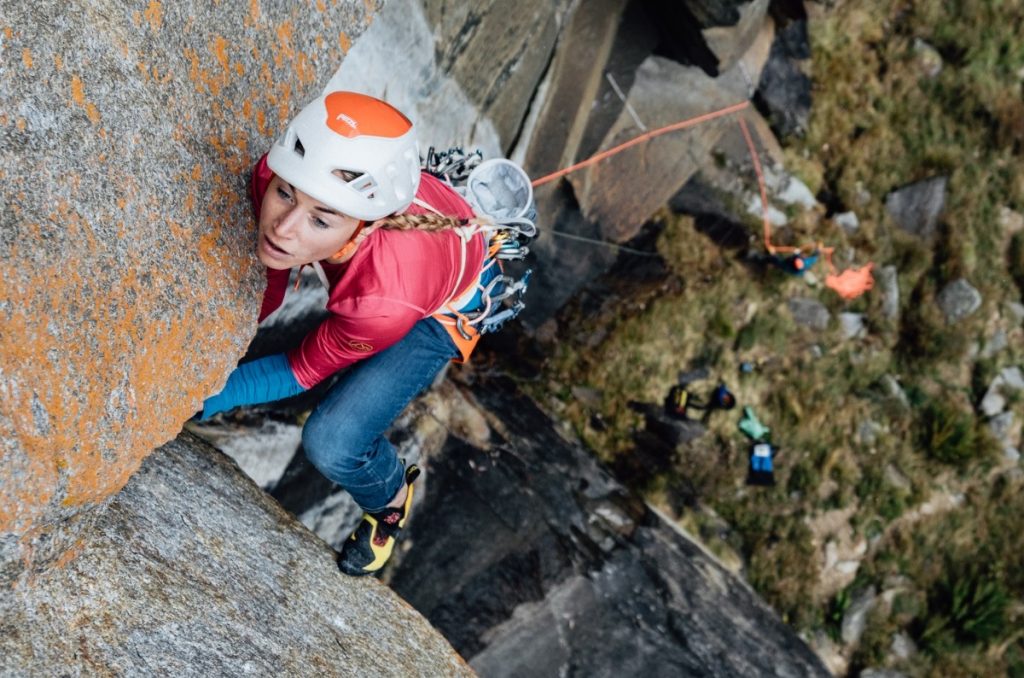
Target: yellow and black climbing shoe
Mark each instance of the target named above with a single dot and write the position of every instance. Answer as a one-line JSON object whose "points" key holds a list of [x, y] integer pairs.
{"points": [[370, 545]]}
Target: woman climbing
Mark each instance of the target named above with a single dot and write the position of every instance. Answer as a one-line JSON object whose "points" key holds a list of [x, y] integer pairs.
{"points": [[342, 191]]}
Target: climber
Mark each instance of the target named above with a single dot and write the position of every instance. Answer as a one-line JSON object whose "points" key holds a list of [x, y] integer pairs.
{"points": [[796, 263], [403, 259]]}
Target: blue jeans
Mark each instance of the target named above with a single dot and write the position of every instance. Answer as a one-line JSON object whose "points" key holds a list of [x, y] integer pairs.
{"points": [[344, 437]]}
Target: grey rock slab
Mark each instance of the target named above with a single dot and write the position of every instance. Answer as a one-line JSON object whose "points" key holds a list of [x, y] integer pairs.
{"points": [[958, 300], [928, 58], [916, 208], [191, 570], [622, 191], [496, 51], [809, 313], [262, 451], [784, 89], [445, 108], [1010, 379], [789, 190], [1013, 378], [855, 619], [730, 43], [888, 283], [1003, 427], [852, 325], [995, 344], [577, 73], [848, 221], [903, 646], [546, 584]]}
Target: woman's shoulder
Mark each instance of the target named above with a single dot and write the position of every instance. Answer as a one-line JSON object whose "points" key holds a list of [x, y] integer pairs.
{"points": [[441, 197]]}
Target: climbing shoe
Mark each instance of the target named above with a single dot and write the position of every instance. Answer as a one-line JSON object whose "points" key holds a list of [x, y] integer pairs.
{"points": [[370, 545]]}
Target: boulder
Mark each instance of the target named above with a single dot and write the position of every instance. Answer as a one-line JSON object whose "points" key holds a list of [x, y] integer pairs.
{"points": [[130, 288], [929, 60], [191, 570], [888, 284], [916, 208], [852, 325], [958, 300], [856, 616], [809, 313], [1009, 380], [414, 80], [847, 221]]}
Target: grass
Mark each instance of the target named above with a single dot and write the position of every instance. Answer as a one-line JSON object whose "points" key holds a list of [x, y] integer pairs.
{"points": [[879, 121]]}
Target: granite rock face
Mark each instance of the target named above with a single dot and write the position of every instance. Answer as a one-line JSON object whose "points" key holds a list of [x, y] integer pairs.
{"points": [[532, 560], [130, 289], [621, 192], [192, 570]]}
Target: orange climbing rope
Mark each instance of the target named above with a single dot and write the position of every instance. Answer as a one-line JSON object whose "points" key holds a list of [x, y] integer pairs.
{"points": [[849, 284], [683, 124]]}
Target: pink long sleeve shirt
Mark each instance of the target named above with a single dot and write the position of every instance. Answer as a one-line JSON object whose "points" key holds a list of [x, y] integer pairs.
{"points": [[395, 279]]}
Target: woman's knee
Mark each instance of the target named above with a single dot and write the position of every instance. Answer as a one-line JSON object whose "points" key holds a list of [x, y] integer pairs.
{"points": [[332, 447]]}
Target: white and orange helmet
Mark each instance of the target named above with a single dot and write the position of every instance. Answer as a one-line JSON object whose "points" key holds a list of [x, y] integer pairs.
{"points": [[353, 133]]}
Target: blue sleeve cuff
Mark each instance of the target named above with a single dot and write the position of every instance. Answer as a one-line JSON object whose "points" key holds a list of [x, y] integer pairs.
{"points": [[259, 381]]}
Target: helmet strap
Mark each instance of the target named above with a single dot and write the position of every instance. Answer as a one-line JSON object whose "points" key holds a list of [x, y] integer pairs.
{"points": [[351, 245]]}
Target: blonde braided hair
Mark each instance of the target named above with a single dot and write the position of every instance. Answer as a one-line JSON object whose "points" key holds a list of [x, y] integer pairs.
{"points": [[421, 222]]}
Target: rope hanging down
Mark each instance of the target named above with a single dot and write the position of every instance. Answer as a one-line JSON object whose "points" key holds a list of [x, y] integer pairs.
{"points": [[848, 284]]}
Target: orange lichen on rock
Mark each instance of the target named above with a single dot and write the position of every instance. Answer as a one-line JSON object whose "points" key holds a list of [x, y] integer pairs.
{"points": [[26, 57], [254, 13], [283, 48], [78, 96], [154, 15], [345, 42], [220, 50]]}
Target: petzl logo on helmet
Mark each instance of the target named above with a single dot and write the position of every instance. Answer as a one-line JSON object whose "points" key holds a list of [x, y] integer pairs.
{"points": [[351, 115], [348, 121]]}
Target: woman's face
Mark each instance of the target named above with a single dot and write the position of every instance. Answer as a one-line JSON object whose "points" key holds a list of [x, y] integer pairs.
{"points": [[295, 229]]}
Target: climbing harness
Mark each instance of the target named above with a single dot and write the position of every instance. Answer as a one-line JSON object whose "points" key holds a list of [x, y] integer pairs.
{"points": [[501, 195]]}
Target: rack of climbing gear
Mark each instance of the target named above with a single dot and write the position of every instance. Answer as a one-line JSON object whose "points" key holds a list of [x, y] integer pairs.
{"points": [[501, 193]]}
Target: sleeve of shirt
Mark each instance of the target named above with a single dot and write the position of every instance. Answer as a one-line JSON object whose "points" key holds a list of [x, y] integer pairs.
{"points": [[259, 381], [342, 340]]}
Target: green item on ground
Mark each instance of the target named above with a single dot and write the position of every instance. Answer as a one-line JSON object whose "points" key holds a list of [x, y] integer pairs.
{"points": [[752, 426]]}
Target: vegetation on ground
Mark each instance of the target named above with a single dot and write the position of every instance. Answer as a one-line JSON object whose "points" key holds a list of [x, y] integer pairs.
{"points": [[880, 439]]}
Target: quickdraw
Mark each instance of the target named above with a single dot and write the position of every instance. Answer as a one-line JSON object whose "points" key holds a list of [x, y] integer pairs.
{"points": [[499, 192]]}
